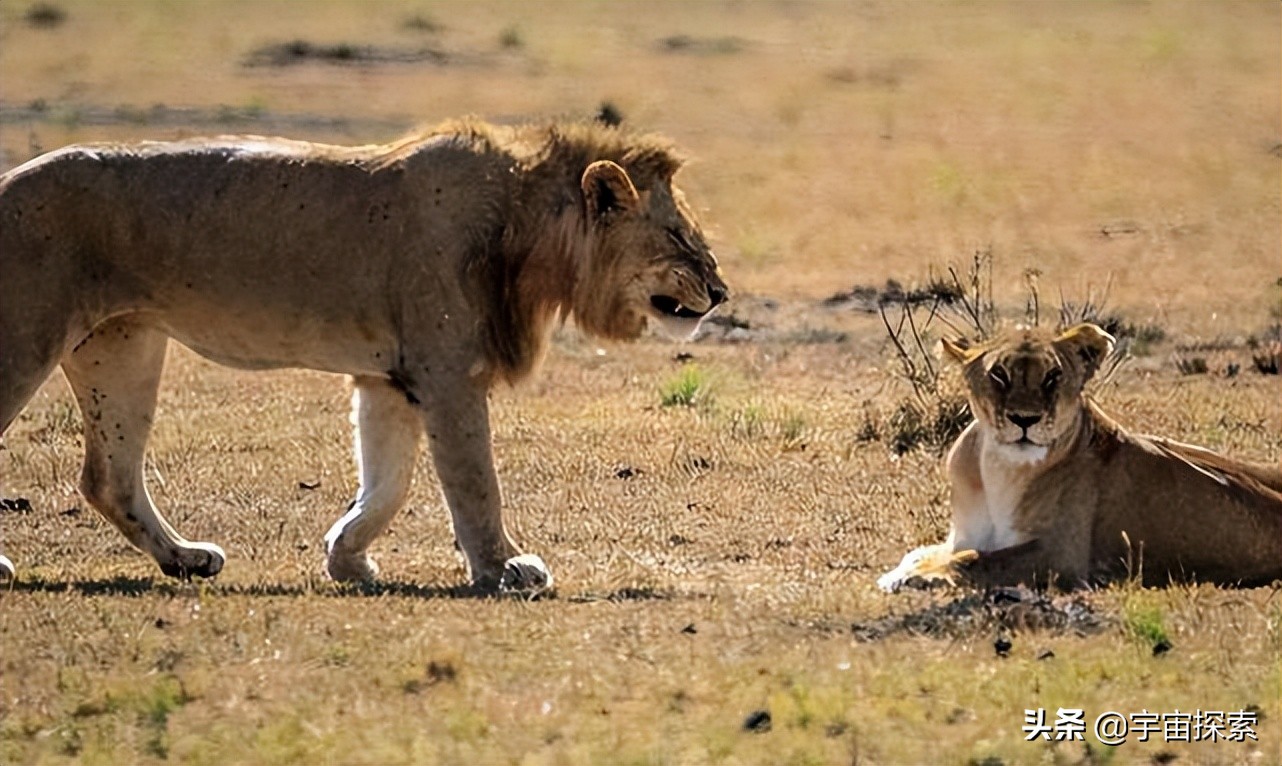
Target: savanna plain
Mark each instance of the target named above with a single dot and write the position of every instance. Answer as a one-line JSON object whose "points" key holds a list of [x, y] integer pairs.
{"points": [[716, 513]]}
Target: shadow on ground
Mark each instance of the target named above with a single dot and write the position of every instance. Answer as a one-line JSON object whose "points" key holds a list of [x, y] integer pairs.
{"points": [[1001, 610]]}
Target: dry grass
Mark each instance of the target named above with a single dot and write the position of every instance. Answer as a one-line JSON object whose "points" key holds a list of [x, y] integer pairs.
{"points": [[712, 558]]}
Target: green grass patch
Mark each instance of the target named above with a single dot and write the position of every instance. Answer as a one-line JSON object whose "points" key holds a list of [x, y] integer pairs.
{"points": [[690, 387]]}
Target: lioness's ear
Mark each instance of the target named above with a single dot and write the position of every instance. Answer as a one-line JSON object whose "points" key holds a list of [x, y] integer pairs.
{"points": [[606, 187], [1090, 343], [959, 350]]}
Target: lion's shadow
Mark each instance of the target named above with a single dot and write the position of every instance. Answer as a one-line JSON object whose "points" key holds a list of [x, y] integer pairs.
{"points": [[126, 586]]}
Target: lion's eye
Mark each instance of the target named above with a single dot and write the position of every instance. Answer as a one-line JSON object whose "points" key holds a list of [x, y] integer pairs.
{"points": [[1051, 380], [999, 377]]}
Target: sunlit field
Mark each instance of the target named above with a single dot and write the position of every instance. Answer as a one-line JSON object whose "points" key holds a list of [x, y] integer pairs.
{"points": [[716, 513]]}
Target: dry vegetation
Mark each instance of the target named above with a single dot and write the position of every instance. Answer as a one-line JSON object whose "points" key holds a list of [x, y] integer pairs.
{"points": [[716, 524]]}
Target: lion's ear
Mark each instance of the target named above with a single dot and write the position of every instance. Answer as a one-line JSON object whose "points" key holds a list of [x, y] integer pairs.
{"points": [[1087, 342], [960, 350], [606, 187]]}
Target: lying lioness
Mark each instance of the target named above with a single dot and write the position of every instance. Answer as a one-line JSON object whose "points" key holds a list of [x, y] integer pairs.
{"points": [[1046, 487], [428, 270]]}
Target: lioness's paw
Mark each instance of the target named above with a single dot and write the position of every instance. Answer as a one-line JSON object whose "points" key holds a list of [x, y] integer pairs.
{"points": [[909, 568], [7, 572], [526, 574], [891, 581], [194, 560], [351, 567]]}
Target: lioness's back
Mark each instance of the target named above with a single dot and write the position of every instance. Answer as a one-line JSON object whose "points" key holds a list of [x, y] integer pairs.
{"points": [[1185, 517]]}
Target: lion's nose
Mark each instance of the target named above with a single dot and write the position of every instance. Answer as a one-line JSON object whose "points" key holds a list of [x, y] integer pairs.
{"points": [[1023, 421], [716, 294]]}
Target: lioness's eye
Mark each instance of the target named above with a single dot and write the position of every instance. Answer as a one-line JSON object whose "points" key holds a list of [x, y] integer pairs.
{"points": [[999, 377], [1051, 380]]}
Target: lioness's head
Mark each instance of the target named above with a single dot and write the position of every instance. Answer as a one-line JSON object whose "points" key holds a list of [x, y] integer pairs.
{"points": [[648, 259], [1025, 387]]}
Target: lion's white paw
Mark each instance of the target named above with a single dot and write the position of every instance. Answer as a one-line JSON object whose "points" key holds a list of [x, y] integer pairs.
{"points": [[350, 567], [7, 572], [192, 559], [526, 574]]}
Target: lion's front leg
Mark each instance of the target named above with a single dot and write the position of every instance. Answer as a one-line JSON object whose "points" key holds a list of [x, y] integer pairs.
{"points": [[388, 430], [458, 430]]}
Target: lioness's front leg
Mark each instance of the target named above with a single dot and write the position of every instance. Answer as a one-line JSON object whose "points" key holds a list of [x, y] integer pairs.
{"points": [[458, 430]]}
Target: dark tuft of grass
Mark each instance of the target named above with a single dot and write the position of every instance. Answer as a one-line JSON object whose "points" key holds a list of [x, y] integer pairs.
{"points": [[300, 51], [702, 45], [609, 114], [511, 39], [1191, 365], [46, 15], [421, 23]]}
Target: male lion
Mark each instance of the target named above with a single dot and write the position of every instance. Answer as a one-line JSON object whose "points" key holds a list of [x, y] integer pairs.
{"points": [[1047, 488], [427, 270]]}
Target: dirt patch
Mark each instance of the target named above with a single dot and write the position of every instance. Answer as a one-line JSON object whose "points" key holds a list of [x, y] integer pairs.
{"points": [[1002, 610], [869, 299], [302, 51]]}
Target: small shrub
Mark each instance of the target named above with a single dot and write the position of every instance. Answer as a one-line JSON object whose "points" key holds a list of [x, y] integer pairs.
{"points": [[793, 428], [1145, 623], [935, 424], [511, 39], [689, 388]]}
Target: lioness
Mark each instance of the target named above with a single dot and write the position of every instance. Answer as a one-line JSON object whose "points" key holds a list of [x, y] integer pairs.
{"points": [[427, 270], [1046, 487]]}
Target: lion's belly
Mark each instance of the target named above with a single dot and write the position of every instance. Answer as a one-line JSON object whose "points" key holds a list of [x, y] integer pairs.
{"points": [[259, 345]]}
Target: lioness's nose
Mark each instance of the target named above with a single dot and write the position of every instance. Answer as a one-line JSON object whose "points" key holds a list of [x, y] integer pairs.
{"points": [[1023, 421]]}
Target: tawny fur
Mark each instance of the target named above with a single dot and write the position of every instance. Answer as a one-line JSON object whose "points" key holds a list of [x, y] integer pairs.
{"points": [[1047, 487], [432, 267]]}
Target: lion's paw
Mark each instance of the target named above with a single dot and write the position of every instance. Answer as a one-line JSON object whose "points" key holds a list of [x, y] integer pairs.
{"points": [[7, 572], [351, 567], [526, 574], [194, 560]]}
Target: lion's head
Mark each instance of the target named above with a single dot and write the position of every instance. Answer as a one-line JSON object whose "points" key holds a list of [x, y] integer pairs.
{"points": [[1025, 387], [648, 257]]}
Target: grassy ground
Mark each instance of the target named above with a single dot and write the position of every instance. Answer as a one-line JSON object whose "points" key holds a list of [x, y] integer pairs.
{"points": [[715, 559]]}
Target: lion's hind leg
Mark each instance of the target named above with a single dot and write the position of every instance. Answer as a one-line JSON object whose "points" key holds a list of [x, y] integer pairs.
{"points": [[115, 374], [388, 431]]}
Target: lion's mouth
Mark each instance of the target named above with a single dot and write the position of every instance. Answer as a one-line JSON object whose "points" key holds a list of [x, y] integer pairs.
{"points": [[669, 306]]}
